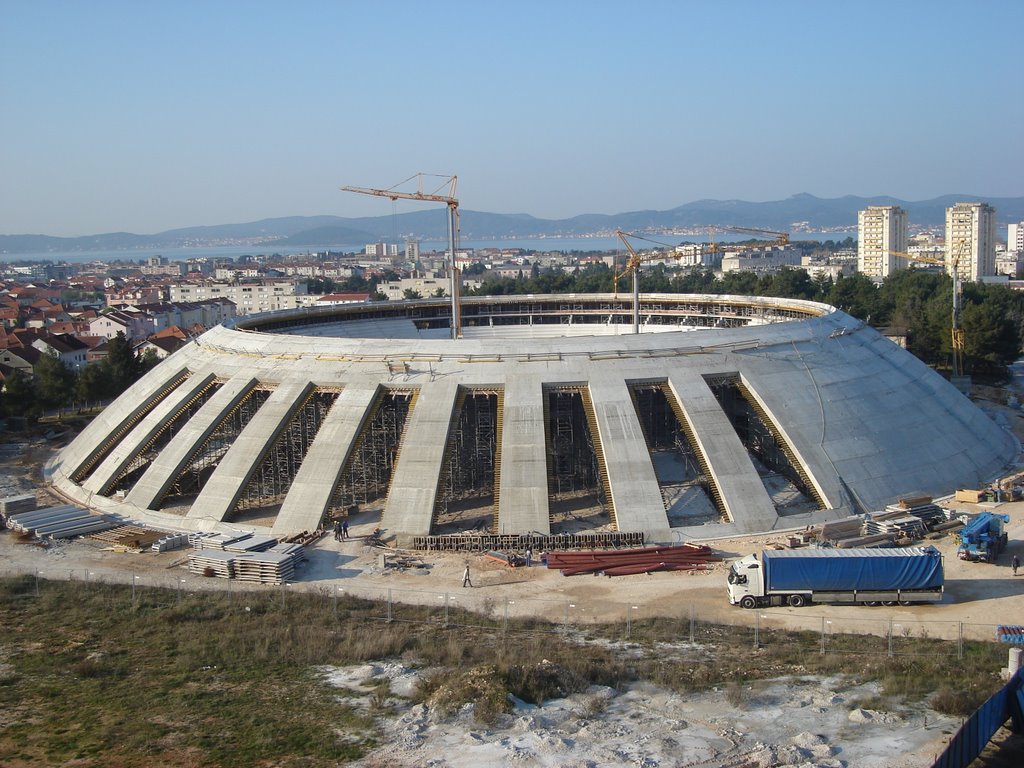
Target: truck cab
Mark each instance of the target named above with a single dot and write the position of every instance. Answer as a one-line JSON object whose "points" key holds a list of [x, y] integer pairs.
{"points": [[746, 582]]}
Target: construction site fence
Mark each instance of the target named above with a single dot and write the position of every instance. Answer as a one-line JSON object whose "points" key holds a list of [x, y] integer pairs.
{"points": [[878, 632], [519, 542]]}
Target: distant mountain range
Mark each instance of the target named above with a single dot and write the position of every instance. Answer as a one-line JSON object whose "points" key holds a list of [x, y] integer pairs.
{"points": [[820, 214]]}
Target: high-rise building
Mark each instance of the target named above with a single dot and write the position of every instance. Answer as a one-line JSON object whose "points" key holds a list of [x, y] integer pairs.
{"points": [[881, 236], [1015, 237], [971, 233]]}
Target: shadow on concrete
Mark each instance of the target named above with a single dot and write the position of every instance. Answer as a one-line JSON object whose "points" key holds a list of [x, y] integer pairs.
{"points": [[969, 590]]}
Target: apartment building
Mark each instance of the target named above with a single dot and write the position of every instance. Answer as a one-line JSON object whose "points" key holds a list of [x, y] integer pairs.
{"points": [[971, 233], [248, 298], [881, 237]]}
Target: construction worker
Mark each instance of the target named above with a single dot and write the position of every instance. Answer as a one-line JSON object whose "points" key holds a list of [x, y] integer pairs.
{"points": [[344, 529], [337, 530], [1015, 564], [465, 577]]}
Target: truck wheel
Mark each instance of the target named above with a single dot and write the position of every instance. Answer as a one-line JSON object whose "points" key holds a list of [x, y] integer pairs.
{"points": [[748, 602], [889, 603], [872, 603], [906, 602], [797, 601]]}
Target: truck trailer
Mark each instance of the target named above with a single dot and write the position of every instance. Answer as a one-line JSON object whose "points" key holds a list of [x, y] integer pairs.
{"points": [[853, 576]]}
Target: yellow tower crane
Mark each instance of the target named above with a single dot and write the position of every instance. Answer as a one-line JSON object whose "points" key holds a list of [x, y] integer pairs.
{"points": [[777, 238], [453, 227], [632, 266]]}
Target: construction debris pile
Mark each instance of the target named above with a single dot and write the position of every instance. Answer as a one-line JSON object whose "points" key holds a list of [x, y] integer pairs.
{"points": [[896, 525], [624, 562], [244, 556]]}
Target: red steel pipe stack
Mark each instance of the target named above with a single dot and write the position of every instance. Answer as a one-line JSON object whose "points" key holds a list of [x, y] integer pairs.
{"points": [[624, 562]]}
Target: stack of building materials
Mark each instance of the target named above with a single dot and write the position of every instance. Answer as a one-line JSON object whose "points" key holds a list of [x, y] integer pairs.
{"points": [[219, 541], [840, 530], [12, 505], [170, 542], [624, 562], [246, 557], [132, 537], [212, 562], [1011, 633], [63, 522], [897, 525], [251, 543], [930, 514], [266, 567]]}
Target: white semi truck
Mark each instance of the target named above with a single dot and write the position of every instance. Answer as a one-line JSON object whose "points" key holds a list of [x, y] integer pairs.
{"points": [[862, 576]]}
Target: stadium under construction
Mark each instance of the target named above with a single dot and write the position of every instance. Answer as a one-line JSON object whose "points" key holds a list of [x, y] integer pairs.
{"points": [[724, 415]]}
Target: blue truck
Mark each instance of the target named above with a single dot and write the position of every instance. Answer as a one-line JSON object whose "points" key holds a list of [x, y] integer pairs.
{"points": [[983, 537], [797, 577]]}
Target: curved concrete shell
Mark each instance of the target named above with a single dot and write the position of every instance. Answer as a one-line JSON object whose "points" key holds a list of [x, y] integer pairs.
{"points": [[725, 415]]}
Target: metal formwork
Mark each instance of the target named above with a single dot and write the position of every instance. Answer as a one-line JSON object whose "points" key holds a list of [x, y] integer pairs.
{"points": [[367, 473], [272, 479], [207, 455]]}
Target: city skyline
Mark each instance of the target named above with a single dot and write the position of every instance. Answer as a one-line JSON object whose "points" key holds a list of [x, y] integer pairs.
{"points": [[148, 118]]}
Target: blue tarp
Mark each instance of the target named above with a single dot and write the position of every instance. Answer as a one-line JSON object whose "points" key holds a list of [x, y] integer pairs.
{"points": [[848, 569]]}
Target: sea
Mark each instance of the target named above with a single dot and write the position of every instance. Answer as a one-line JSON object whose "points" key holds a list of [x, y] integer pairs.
{"points": [[597, 244]]}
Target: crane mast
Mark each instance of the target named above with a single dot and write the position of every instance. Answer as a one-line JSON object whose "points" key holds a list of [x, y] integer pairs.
{"points": [[633, 266], [453, 229]]}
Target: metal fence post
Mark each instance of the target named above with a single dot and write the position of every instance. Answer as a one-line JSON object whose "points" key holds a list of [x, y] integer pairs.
{"points": [[446, 609], [890, 637], [822, 635], [691, 623], [757, 629], [389, 605], [960, 640]]}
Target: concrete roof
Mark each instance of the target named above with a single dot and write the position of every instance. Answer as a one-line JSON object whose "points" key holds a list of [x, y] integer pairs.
{"points": [[865, 420]]}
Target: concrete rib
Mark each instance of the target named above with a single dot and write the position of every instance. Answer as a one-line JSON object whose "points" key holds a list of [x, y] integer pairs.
{"points": [[317, 478], [125, 451], [112, 420], [747, 502], [410, 505], [639, 505], [219, 496], [164, 470], [523, 489]]}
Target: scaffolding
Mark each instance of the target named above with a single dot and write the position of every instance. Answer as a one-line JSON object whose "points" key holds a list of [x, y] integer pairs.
{"points": [[270, 482], [574, 461], [763, 439], [666, 429], [470, 467], [207, 455], [138, 465], [367, 473]]}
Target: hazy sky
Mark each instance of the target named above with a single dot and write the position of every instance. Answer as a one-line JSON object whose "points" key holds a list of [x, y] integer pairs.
{"points": [[146, 116]]}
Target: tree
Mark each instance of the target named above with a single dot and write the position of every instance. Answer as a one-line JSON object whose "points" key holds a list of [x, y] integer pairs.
{"points": [[20, 395], [121, 367], [91, 384], [54, 382], [411, 293]]}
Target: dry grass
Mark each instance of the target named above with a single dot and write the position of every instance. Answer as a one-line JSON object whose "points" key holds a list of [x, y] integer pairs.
{"points": [[92, 678]]}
